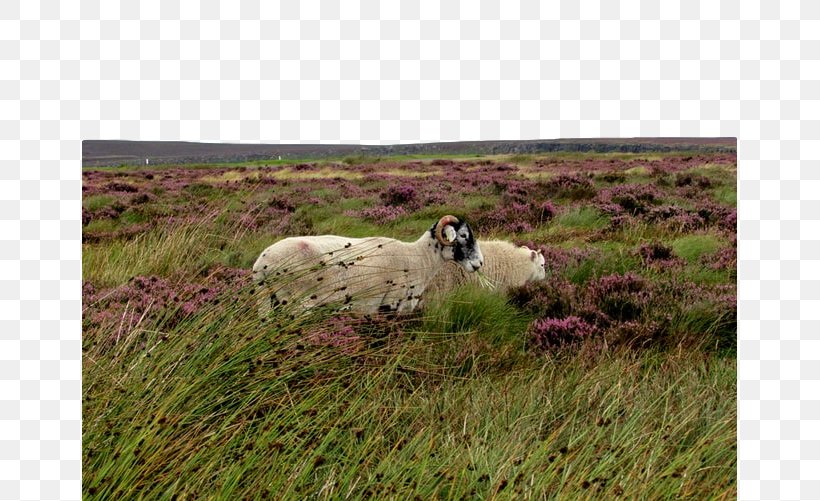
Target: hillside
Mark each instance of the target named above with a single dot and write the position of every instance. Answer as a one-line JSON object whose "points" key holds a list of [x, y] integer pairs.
{"points": [[117, 152]]}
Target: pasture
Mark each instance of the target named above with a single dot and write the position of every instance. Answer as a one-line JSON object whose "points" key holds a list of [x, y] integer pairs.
{"points": [[615, 376]]}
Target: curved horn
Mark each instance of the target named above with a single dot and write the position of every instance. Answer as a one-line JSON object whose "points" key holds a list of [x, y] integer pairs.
{"points": [[440, 230]]}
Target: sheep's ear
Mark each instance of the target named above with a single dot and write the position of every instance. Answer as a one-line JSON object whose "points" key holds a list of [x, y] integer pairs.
{"points": [[449, 233], [533, 255]]}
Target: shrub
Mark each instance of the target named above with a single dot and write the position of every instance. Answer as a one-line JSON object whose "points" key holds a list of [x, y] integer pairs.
{"points": [[613, 177], [517, 227], [547, 210], [281, 203], [725, 258], [549, 333], [674, 218], [112, 211], [299, 223], [636, 334], [718, 215], [545, 298], [140, 199], [729, 220], [656, 254], [200, 189], [514, 217], [571, 186], [403, 195], [154, 299], [121, 187], [686, 179], [620, 297], [634, 199]]}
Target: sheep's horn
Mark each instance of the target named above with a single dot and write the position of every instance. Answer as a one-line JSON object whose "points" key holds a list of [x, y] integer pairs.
{"points": [[440, 230]]}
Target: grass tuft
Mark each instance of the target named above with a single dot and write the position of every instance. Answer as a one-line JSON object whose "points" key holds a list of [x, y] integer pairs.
{"points": [[693, 247], [583, 218]]}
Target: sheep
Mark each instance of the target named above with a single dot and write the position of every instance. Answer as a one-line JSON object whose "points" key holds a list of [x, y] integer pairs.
{"points": [[366, 275], [505, 266]]}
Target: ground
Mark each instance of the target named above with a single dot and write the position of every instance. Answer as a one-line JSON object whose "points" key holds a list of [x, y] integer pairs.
{"points": [[615, 376]]}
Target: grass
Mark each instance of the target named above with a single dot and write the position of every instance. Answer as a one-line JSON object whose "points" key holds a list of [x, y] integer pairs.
{"points": [[522, 159], [693, 247], [450, 403], [718, 174], [100, 225], [726, 194], [582, 217], [638, 170], [164, 252], [229, 410], [323, 173], [95, 202], [232, 176], [613, 258], [409, 173], [477, 310]]}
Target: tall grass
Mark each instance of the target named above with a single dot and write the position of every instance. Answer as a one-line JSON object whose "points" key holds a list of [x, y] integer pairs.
{"points": [[450, 403], [165, 251], [220, 406]]}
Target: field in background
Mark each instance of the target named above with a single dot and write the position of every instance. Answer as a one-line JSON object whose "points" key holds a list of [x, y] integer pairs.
{"points": [[613, 377]]}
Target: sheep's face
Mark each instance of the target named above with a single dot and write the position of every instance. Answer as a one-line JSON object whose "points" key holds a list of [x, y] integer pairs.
{"points": [[464, 248], [538, 265]]}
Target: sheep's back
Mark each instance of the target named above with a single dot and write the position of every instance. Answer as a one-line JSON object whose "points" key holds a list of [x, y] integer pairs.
{"points": [[361, 272]]}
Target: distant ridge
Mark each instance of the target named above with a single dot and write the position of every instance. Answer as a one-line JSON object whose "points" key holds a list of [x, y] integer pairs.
{"points": [[118, 152]]}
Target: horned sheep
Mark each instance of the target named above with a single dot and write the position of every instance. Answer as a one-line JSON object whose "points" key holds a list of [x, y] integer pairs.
{"points": [[366, 275], [505, 266]]}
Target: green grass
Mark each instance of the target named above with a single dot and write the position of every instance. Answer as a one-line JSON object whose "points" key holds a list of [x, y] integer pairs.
{"points": [[726, 194], [478, 310], [718, 174], [449, 403], [637, 171], [175, 251], [520, 159], [611, 258], [327, 193], [582, 217], [370, 159], [100, 225], [94, 202], [340, 224], [224, 408], [133, 216], [693, 247], [201, 190]]}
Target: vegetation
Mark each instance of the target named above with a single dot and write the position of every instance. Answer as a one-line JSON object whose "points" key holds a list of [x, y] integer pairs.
{"points": [[614, 377]]}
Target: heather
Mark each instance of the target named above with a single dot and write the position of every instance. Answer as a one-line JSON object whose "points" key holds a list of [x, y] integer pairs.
{"points": [[614, 377]]}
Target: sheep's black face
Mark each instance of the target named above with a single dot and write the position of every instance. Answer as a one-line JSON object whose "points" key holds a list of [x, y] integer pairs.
{"points": [[465, 249]]}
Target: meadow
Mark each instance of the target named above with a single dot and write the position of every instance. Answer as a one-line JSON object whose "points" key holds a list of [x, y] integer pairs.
{"points": [[613, 377]]}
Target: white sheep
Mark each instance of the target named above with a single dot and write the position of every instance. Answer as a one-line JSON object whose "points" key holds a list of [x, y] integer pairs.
{"points": [[505, 266], [366, 275]]}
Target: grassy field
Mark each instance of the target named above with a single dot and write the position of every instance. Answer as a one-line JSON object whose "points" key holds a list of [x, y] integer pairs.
{"points": [[613, 377]]}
